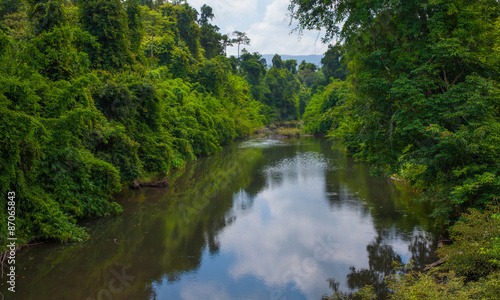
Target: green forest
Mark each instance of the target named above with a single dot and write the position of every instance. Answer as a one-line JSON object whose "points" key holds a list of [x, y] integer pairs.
{"points": [[97, 95], [421, 102]]}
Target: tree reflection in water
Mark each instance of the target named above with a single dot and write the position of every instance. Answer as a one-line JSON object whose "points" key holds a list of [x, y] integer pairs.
{"points": [[383, 262], [205, 234]]}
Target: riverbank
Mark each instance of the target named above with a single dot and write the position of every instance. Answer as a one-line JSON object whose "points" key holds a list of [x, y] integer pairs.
{"points": [[281, 130]]}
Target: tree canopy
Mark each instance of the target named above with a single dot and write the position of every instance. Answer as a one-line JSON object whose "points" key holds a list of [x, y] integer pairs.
{"points": [[240, 38]]}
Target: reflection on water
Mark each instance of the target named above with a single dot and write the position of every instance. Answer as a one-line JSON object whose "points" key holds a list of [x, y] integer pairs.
{"points": [[264, 219]]}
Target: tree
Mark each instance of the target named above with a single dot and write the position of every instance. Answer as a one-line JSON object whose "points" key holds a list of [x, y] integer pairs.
{"points": [[211, 41], [281, 89], [155, 24], [331, 63], [152, 4], [307, 73], [291, 65], [240, 39], [210, 38], [341, 18], [107, 22], [206, 15], [55, 50], [188, 30], [8, 7], [253, 67], [45, 14], [277, 62], [135, 25], [226, 41]]}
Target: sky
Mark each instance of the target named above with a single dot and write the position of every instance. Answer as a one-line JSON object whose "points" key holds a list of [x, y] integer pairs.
{"points": [[266, 23]]}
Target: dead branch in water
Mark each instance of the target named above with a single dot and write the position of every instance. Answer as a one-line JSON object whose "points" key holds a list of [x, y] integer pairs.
{"points": [[437, 263]]}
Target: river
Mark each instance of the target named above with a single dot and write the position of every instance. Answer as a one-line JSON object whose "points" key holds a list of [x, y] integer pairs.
{"points": [[263, 219]]}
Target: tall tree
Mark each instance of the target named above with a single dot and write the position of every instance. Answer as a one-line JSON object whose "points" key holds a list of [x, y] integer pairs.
{"points": [[241, 38], [226, 41], [253, 67], [211, 41], [206, 15], [152, 4], [55, 50], [210, 38], [154, 24]]}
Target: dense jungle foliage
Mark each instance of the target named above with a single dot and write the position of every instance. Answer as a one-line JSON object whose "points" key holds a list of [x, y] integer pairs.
{"points": [[97, 94], [421, 101]]}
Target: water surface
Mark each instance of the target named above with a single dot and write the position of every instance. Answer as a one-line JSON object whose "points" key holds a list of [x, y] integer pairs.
{"points": [[264, 219]]}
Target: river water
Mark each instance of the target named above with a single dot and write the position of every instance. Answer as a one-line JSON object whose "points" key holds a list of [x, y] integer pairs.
{"points": [[263, 219]]}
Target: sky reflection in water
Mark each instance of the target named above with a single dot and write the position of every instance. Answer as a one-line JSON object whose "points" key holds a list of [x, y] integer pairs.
{"points": [[264, 219], [304, 225]]}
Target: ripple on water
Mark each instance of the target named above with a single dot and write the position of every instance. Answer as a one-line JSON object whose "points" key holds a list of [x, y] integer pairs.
{"points": [[305, 162], [262, 143]]}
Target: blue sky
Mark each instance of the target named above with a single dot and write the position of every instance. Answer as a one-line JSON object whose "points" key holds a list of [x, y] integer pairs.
{"points": [[266, 23]]}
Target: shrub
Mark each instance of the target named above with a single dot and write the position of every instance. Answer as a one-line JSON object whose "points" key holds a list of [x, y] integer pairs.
{"points": [[475, 252]]}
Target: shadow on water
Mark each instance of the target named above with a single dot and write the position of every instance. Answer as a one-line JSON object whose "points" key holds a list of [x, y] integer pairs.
{"points": [[243, 224]]}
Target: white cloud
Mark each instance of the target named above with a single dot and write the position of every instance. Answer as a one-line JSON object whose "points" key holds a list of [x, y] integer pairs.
{"points": [[231, 15], [273, 34], [228, 9], [266, 24]]}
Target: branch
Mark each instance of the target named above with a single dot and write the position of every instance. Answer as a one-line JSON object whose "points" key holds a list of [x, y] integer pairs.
{"points": [[437, 263]]}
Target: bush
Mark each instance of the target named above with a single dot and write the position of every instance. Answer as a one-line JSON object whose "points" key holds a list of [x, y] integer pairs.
{"points": [[437, 284], [475, 252], [289, 132], [472, 263]]}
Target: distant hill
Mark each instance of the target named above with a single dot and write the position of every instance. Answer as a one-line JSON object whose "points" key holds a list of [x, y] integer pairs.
{"points": [[315, 59]]}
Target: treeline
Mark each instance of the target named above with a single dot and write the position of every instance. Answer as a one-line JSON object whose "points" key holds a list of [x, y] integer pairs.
{"points": [[421, 102], [96, 94], [285, 87]]}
